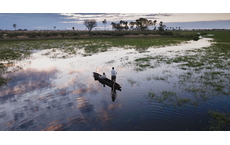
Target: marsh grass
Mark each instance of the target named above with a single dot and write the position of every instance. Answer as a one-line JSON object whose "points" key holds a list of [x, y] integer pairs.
{"points": [[158, 78], [219, 121], [147, 62], [3, 70], [4, 81], [208, 67], [132, 81], [12, 54], [169, 98]]}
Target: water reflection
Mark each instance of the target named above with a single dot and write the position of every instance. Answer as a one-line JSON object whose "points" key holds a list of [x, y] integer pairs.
{"points": [[113, 94], [27, 80], [84, 106]]}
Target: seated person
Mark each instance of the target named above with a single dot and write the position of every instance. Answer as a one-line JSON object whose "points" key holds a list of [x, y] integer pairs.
{"points": [[103, 76]]}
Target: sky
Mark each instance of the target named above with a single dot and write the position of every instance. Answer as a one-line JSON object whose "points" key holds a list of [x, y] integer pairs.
{"points": [[62, 21], [44, 15]]}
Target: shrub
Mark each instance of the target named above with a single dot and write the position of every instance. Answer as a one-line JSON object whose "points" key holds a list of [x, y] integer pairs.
{"points": [[47, 35], [118, 34], [11, 35], [31, 35]]}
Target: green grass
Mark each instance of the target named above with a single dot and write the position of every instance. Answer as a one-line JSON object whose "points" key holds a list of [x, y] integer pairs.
{"points": [[83, 34], [94, 45], [13, 54]]}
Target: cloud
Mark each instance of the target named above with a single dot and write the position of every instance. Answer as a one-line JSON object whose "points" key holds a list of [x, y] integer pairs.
{"points": [[110, 17], [200, 24], [154, 15], [75, 22]]}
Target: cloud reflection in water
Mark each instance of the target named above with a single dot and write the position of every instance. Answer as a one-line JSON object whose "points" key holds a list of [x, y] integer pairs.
{"points": [[28, 80]]}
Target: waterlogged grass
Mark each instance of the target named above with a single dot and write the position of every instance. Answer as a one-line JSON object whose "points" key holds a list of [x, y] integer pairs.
{"points": [[9, 57], [158, 77], [205, 74], [13, 54], [147, 62], [132, 82], [215, 56], [219, 121], [3, 81], [169, 98]]}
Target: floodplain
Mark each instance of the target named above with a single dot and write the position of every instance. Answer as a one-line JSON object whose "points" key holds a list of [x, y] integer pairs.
{"points": [[168, 83]]}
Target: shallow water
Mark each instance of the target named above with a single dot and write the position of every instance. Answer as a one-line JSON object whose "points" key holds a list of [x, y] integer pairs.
{"points": [[50, 93]]}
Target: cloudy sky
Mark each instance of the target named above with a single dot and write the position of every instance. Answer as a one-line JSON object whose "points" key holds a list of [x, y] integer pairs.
{"points": [[47, 14], [63, 21]]}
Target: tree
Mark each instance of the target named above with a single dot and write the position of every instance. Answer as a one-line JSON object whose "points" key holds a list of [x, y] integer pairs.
{"points": [[161, 26], [90, 24], [14, 25], [54, 27], [104, 22], [141, 24], [150, 23], [154, 23], [73, 28], [132, 24], [120, 26]]}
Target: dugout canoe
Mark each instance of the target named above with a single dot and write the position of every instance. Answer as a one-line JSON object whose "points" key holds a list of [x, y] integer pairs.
{"points": [[106, 81]]}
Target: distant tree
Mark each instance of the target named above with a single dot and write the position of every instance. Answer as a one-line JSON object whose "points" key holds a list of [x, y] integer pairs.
{"points": [[126, 27], [104, 22], [141, 24], [150, 22], [120, 26], [54, 27], [154, 23], [14, 25], [73, 28], [113, 25], [132, 24], [161, 26], [90, 24], [179, 28]]}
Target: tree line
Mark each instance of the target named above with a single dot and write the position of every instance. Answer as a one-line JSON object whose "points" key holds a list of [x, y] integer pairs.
{"points": [[140, 24]]}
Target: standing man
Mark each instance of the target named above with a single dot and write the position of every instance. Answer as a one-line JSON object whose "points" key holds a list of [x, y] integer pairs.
{"points": [[113, 74]]}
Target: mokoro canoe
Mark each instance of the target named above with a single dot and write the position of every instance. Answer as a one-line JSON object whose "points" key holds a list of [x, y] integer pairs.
{"points": [[106, 81]]}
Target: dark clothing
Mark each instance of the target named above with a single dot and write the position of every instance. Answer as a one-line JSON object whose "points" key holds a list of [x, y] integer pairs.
{"points": [[113, 78]]}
